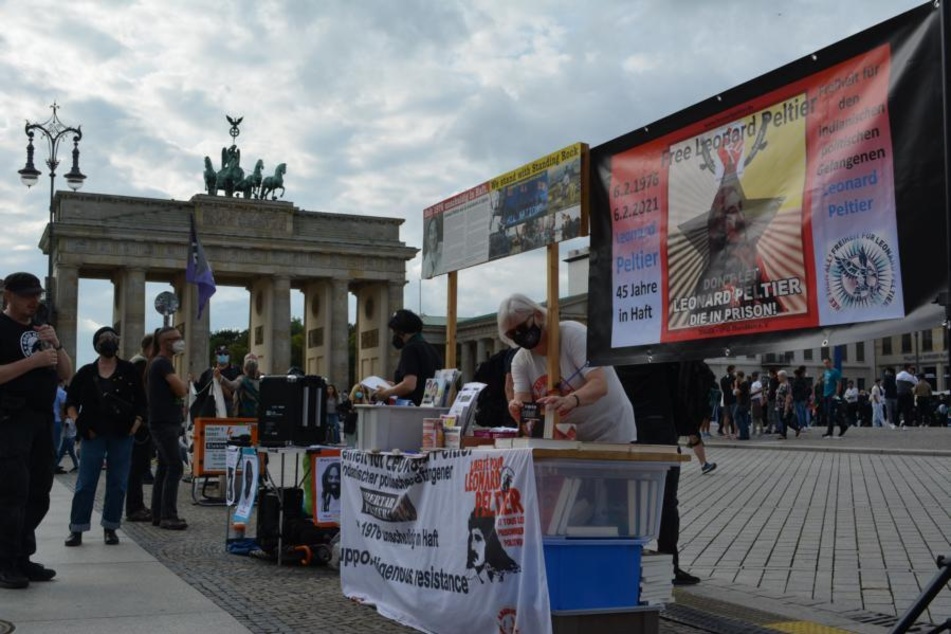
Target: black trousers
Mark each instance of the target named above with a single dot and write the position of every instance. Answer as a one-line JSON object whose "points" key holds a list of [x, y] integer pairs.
{"points": [[658, 430], [26, 477], [142, 451], [169, 471]]}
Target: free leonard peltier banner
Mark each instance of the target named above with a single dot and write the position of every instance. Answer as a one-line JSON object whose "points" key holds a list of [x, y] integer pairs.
{"points": [[445, 539], [807, 203]]}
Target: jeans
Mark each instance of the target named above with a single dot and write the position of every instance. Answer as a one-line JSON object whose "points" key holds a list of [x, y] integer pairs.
{"points": [[878, 411], [169, 471], [67, 446], [117, 452], [333, 427], [26, 477], [802, 413], [742, 420], [829, 407]]}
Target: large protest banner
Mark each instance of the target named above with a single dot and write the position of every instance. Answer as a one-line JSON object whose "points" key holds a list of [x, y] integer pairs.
{"points": [[534, 205], [445, 542], [805, 202]]}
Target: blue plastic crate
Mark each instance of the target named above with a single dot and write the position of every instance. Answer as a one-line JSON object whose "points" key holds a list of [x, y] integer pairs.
{"points": [[586, 574]]}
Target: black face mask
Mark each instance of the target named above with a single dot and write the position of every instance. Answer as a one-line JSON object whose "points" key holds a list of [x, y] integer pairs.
{"points": [[108, 349], [527, 337], [397, 341]]}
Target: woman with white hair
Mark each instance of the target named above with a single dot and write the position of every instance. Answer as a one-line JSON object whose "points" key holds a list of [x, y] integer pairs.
{"points": [[784, 405], [591, 398]]}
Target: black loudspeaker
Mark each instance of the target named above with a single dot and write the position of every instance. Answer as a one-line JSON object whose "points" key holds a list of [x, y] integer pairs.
{"points": [[269, 509], [292, 411]]}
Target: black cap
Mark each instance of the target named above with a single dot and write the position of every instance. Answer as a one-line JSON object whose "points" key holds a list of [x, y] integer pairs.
{"points": [[22, 284], [100, 332], [222, 350], [406, 321]]}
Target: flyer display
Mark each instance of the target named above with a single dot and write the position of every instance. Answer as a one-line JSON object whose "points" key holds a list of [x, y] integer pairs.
{"points": [[211, 441], [539, 203], [775, 213], [447, 538]]}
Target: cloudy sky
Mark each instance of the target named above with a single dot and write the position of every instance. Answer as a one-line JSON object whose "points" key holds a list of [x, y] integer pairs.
{"points": [[378, 107]]}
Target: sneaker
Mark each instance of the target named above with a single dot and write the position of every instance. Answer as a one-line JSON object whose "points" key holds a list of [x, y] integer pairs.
{"points": [[827, 435], [176, 524], [842, 431], [75, 539], [892, 425], [109, 536], [682, 578], [708, 467], [59, 470], [11, 577], [36, 572]]}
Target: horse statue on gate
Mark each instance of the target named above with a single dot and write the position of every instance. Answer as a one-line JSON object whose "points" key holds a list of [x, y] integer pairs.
{"points": [[250, 185], [231, 173], [273, 183], [211, 178]]}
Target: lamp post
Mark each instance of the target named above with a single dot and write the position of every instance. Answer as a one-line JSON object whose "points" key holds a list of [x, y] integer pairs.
{"points": [[53, 130]]}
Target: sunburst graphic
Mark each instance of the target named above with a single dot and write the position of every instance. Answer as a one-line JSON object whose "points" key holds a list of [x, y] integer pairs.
{"points": [[860, 273]]}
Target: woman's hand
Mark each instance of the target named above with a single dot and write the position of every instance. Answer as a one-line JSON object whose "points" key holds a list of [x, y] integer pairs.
{"points": [[515, 410], [562, 404]]}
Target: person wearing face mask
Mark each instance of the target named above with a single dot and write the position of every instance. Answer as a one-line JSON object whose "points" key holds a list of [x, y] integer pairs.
{"points": [[419, 360], [107, 401], [166, 391], [591, 398], [204, 405]]}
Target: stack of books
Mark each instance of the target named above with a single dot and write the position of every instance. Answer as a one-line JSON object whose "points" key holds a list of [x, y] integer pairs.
{"points": [[657, 579]]}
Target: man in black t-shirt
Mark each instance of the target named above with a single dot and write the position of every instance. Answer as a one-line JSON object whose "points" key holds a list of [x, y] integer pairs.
{"points": [[32, 362], [165, 391], [419, 360]]}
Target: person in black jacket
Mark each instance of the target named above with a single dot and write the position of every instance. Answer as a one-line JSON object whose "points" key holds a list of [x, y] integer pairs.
{"points": [[107, 402]]}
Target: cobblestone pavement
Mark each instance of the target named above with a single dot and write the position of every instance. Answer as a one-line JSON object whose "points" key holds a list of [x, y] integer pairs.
{"points": [[846, 526], [855, 522], [265, 598]]}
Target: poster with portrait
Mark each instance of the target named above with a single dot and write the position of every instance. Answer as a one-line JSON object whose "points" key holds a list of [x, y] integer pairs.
{"points": [[246, 487], [326, 470], [540, 203], [795, 204], [232, 457], [445, 538]]}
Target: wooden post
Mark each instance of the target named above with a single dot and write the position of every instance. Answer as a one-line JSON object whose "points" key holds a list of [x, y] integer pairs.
{"points": [[451, 319], [554, 337]]}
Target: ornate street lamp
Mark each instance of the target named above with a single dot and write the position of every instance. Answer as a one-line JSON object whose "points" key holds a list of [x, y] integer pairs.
{"points": [[53, 130]]}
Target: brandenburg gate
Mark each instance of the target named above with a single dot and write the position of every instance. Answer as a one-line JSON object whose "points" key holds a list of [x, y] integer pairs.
{"points": [[268, 247]]}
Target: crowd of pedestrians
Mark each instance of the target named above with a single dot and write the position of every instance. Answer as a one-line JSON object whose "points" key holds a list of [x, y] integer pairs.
{"points": [[773, 403]]}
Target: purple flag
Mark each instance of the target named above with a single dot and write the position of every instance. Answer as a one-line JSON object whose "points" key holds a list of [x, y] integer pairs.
{"points": [[198, 271]]}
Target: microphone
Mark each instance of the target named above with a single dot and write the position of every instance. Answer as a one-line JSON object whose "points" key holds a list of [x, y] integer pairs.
{"points": [[42, 316]]}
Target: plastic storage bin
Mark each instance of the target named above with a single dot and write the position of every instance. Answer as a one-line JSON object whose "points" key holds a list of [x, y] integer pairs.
{"points": [[387, 427], [592, 574], [598, 498]]}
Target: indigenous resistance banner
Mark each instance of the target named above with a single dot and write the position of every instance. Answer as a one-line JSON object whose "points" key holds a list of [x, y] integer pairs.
{"points": [[445, 539], [781, 207], [538, 204]]}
